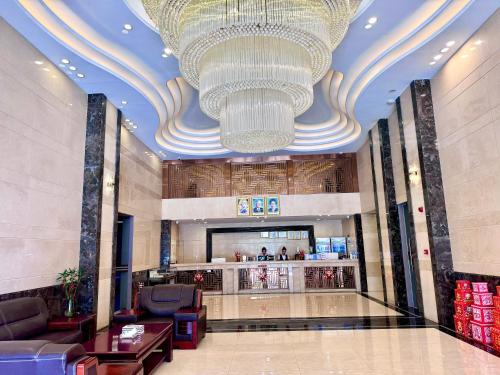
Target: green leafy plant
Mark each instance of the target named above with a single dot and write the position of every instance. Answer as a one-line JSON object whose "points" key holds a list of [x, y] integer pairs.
{"points": [[70, 280]]}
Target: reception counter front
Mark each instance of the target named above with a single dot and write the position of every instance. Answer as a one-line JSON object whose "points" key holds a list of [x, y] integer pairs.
{"points": [[271, 277]]}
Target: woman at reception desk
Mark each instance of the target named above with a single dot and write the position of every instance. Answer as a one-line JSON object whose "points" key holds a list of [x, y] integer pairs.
{"points": [[267, 275]]}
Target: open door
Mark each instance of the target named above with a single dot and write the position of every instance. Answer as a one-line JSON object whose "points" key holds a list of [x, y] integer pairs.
{"points": [[123, 264]]}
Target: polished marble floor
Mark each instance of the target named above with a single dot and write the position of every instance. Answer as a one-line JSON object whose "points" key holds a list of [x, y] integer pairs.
{"points": [[422, 351], [303, 305]]}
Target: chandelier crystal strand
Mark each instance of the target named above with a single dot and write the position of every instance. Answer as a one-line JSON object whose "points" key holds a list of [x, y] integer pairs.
{"points": [[254, 61]]}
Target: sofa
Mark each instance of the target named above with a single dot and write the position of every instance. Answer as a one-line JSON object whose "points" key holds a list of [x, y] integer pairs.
{"points": [[40, 357], [27, 318], [182, 304]]}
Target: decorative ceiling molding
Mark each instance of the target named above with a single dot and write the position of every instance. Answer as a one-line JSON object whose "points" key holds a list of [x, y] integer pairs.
{"points": [[171, 100]]}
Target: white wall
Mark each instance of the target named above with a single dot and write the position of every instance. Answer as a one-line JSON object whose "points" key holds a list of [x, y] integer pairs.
{"points": [[42, 144], [341, 204], [192, 238], [466, 97]]}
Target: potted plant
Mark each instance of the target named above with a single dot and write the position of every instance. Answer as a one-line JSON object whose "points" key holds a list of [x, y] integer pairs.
{"points": [[70, 280]]}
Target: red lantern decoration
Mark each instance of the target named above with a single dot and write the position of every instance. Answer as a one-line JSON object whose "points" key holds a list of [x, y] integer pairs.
{"points": [[198, 278], [328, 275], [263, 277]]}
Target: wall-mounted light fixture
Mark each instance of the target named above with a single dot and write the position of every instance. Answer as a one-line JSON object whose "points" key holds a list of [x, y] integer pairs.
{"points": [[414, 175]]}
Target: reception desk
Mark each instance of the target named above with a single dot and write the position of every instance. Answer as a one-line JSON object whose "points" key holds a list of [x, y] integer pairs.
{"points": [[293, 276]]}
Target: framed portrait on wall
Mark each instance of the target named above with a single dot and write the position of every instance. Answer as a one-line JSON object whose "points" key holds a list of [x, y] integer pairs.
{"points": [[273, 205], [258, 206], [243, 206]]}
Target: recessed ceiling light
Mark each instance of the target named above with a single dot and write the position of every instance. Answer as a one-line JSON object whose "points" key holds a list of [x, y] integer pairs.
{"points": [[38, 62], [167, 50], [437, 57], [46, 69], [368, 26], [62, 65], [164, 55], [432, 63], [445, 49], [124, 31], [65, 61], [124, 102], [450, 43], [372, 20], [135, 126], [478, 42], [391, 101], [80, 75], [127, 26], [127, 120], [72, 68]]}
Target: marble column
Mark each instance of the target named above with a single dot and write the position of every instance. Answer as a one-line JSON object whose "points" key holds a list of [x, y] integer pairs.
{"points": [[90, 237], [391, 206], [377, 214], [165, 242], [358, 228], [116, 190], [411, 222], [437, 222]]}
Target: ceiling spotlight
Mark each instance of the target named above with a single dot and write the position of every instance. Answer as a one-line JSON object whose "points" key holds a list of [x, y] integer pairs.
{"points": [[124, 102], [368, 26], [135, 126], [391, 101], [72, 68], [478, 42], [38, 62], [372, 20], [437, 57], [46, 69], [80, 75], [450, 43], [167, 50], [164, 55], [445, 49], [127, 26], [432, 63], [127, 120], [124, 31], [65, 61]]}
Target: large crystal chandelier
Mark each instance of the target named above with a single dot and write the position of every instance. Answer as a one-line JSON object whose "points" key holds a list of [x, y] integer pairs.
{"points": [[254, 62]]}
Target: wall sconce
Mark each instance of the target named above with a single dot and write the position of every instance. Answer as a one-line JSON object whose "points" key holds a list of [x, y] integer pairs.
{"points": [[413, 175]]}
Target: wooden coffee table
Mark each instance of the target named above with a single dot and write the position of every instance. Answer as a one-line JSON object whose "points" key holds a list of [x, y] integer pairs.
{"points": [[153, 348]]}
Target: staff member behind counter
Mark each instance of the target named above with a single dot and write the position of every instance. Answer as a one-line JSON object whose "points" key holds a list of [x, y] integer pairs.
{"points": [[283, 255], [263, 255]]}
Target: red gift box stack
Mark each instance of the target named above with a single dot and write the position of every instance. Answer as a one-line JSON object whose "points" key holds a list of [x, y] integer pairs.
{"points": [[463, 308], [482, 313], [495, 331]]}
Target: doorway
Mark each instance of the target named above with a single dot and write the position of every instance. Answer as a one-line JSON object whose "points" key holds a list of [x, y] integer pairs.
{"points": [[123, 263], [409, 269]]}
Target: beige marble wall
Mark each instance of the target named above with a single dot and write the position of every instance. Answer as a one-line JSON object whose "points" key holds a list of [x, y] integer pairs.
{"points": [[466, 96], [42, 141], [417, 200], [140, 196], [369, 220], [107, 218], [192, 239], [397, 158]]}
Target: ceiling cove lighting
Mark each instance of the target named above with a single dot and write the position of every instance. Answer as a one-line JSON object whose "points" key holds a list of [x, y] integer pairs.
{"points": [[254, 62]]}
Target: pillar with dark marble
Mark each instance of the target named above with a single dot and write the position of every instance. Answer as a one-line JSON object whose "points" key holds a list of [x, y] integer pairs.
{"points": [[435, 208], [411, 223], [377, 214], [165, 243], [90, 237], [393, 228], [358, 228]]}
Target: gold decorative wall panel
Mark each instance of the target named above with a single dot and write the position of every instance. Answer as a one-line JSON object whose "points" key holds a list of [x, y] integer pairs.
{"points": [[259, 178], [311, 174]]}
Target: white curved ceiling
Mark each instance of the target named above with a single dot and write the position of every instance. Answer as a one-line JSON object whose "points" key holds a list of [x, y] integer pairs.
{"points": [[369, 68]]}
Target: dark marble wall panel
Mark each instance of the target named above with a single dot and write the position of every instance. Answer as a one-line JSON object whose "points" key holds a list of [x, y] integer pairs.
{"points": [[90, 238], [116, 191], [52, 295], [377, 211], [358, 227], [437, 222], [411, 223], [394, 232], [165, 242]]}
